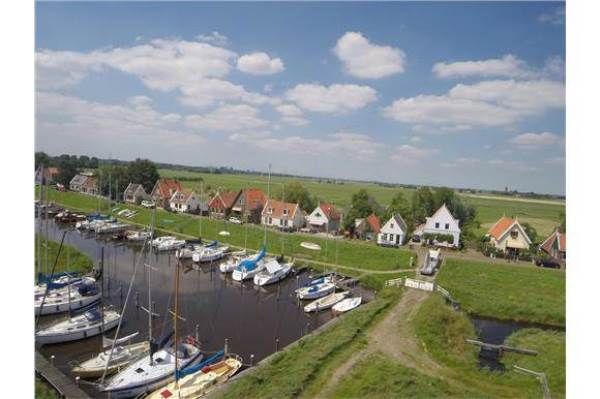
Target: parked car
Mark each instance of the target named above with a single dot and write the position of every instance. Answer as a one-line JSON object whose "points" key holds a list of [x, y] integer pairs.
{"points": [[147, 204], [550, 263], [235, 220], [416, 239]]}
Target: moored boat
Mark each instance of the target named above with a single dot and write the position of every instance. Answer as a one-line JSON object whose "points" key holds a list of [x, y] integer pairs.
{"points": [[326, 302], [272, 273], [315, 291], [347, 304], [249, 267], [210, 254], [122, 355], [69, 298], [88, 324]]}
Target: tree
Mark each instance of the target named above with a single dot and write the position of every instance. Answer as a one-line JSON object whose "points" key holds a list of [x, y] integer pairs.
{"points": [[67, 169], [531, 233], [144, 172], [41, 158], [362, 205], [423, 204], [295, 192], [112, 179], [400, 205]]}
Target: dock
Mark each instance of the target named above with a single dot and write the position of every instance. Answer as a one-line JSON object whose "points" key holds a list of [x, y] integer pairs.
{"points": [[500, 349], [65, 386]]}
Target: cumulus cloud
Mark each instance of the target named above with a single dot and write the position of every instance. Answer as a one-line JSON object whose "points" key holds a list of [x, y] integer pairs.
{"points": [[291, 114], [554, 17], [534, 140], [227, 118], [337, 98], [214, 37], [407, 153], [259, 64], [483, 104], [363, 59]]}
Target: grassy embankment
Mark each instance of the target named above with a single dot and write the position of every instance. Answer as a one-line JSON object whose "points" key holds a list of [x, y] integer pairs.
{"points": [[341, 255], [43, 390], [292, 371], [509, 292], [543, 215], [70, 259], [442, 333]]}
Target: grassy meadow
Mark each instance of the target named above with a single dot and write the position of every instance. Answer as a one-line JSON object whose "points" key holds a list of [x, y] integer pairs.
{"points": [[510, 292], [543, 215], [70, 259]]}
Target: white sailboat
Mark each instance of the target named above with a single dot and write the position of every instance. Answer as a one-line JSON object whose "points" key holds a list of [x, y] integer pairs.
{"points": [[273, 272], [170, 245], [248, 268], [315, 290], [160, 240], [89, 324], [138, 235], [234, 260], [210, 254], [69, 298], [325, 302]]}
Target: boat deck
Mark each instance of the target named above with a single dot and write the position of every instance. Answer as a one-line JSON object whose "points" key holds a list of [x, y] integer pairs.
{"points": [[63, 384]]}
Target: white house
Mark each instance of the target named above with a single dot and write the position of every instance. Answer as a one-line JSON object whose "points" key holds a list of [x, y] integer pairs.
{"points": [[185, 201], [283, 215], [393, 232], [442, 222], [135, 194], [324, 218]]}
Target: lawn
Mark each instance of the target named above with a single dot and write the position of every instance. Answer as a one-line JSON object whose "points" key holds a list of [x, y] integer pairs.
{"points": [[336, 253], [290, 372], [509, 292], [70, 259], [442, 333]]}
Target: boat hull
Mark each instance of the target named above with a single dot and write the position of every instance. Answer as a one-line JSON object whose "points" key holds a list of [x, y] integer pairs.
{"points": [[74, 335], [94, 367], [64, 306], [306, 294]]}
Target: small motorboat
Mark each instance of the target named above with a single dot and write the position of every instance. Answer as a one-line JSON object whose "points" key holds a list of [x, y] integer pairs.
{"points": [[201, 382], [347, 304], [319, 280], [210, 254], [326, 302], [86, 325], [310, 245], [143, 376], [159, 240], [170, 245], [122, 355], [272, 273], [315, 291], [138, 235]]}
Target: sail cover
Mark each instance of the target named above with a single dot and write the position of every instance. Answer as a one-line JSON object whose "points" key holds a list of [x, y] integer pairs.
{"points": [[250, 264], [192, 369]]}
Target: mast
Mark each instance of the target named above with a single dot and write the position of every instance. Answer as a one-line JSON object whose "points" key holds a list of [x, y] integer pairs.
{"points": [[150, 310], [175, 317], [269, 201], [39, 225], [102, 288]]}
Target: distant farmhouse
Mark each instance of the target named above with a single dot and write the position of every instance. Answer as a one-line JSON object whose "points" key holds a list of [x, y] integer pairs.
{"points": [[84, 184], [324, 218], [508, 235], [185, 201], [367, 228], [163, 191], [221, 204], [49, 177], [283, 215], [393, 232], [135, 194], [441, 228], [249, 204], [555, 246]]}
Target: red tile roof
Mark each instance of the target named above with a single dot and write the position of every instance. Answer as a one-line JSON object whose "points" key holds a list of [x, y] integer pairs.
{"points": [[549, 242], [373, 221], [167, 187], [183, 199], [223, 199], [254, 198], [500, 227], [329, 211], [277, 207]]}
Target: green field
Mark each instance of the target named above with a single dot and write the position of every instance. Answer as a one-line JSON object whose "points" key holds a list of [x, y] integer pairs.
{"points": [[510, 292], [542, 215], [70, 259], [341, 255], [294, 370]]}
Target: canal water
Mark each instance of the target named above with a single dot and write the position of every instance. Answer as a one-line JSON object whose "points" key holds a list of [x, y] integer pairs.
{"points": [[256, 321]]}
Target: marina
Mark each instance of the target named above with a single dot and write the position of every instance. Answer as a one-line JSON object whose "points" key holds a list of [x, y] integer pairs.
{"points": [[255, 320]]}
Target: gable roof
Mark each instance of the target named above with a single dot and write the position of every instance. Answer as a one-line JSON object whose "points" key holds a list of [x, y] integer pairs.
{"points": [[78, 180], [399, 221], [90, 182], [503, 226], [277, 208], [184, 194], [254, 198], [164, 187], [224, 199], [133, 187], [441, 210], [374, 222], [549, 242], [329, 211]]}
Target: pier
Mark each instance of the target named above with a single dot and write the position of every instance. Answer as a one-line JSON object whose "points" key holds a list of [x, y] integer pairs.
{"points": [[65, 386]]}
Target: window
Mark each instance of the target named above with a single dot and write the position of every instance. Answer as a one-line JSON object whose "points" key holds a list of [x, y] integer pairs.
{"points": [[285, 211], [437, 225], [392, 225], [385, 237], [270, 210], [514, 234], [447, 226]]}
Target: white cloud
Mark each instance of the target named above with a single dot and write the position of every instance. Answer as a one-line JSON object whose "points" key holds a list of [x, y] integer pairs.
{"points": [[407, 153], [483, 104], [209, 91], [534, 140], [356, 146], [215, 38], [259, 64], [508, 66], [336, 98], [555, 17], [227, 118], [363, 59], [291, 114]]}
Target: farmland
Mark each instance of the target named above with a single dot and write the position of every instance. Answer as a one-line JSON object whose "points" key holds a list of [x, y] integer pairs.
{"points": [[543, 215]]}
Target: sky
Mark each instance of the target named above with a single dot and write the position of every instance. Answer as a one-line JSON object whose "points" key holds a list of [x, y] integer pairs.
{"points": [[454, 94]]}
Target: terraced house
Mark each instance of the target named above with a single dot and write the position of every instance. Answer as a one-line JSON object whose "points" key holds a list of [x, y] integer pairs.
{"points": [[220, 205], [163, 191], [283, 215], [249, 204]]}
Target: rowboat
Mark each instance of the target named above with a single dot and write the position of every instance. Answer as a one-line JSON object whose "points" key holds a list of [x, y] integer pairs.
{"points": [[122, 355], [273, 272], [315, 290], [310, 245], [325, 302], [89, 324], [201, 382], [347, 304]]}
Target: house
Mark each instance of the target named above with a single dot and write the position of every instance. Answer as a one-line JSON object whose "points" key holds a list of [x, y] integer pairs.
{"points": [[283, 215], [443, 225], [49, 177], [77, 182], [325, 218], [555, 245], [393, 232], [220, 205], [367, 228], [185, 201], [163, 191], [249, 204], [508, 235], [90, 186], [135, 194]]}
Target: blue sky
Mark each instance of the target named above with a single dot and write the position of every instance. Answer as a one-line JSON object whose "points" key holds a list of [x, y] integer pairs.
{"points": [[457, 94]]}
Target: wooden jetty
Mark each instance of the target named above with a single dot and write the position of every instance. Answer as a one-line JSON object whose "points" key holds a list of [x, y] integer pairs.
{"points": [[501, 348], [65, 386]]}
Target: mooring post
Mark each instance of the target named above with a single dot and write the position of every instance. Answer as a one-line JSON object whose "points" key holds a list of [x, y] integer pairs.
{"points": [[197, 333], [226, 348], [52, 359], [137, 299], [276, 344], [252, 360], [297, 282], [77, 380]]}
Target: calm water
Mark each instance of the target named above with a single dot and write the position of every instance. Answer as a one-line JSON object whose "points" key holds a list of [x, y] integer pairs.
{"points": [[251, 318]]}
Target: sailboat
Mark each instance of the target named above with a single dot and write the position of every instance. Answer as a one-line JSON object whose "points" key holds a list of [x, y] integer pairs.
{"points": [[88, 324], [315, 290], [210, 253], [248, 268], [273, 273], [325, 302], [149, 373], [69, 298], [120, 357]]}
